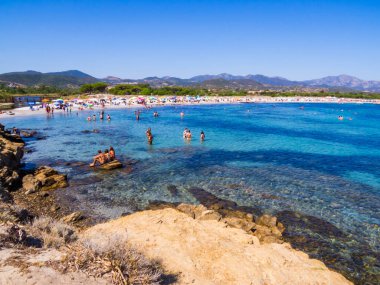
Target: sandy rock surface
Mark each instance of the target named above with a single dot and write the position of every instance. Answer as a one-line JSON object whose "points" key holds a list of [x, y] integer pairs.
{"points": [[209, 252]]}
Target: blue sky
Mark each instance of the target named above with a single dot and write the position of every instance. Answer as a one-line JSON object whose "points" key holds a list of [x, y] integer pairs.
{"points": [[133, 39]]}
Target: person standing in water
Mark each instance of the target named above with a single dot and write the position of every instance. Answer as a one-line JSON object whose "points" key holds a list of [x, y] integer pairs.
{"points": [[202, 136], [185, 133], [188, 135], [182, 114], [137, 114], [149, 135]]}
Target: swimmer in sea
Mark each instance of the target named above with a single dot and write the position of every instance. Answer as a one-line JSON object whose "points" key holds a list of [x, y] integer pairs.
{"points": [[340, 118], [182, 114], [88, 118], [185, 133], [202, 136], [108, 117], [188, 135], [94, 117]]}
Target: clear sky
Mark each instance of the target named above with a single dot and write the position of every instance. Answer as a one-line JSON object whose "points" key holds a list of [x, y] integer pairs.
{"points": [[133, 39]]}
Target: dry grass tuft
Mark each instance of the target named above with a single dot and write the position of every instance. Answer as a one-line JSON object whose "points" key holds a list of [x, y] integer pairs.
{"points": [[53, 233], [115, 260]]}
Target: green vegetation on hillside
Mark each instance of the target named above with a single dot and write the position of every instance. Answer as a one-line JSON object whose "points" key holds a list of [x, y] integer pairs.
{"points": [[68, 79], [7, 92], [145, 89], [98, 87]]}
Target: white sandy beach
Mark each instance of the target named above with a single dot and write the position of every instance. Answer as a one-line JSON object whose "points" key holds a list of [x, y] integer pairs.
{"points": [[183, 101]]}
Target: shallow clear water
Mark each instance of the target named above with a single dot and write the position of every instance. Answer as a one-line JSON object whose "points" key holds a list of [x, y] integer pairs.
{"points": [[276, 157]]}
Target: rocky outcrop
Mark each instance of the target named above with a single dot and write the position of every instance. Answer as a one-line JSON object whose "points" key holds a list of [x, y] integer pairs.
{"points": [[266, 228], [198, 251], [111, 165], [44, 179], [11, 152]]}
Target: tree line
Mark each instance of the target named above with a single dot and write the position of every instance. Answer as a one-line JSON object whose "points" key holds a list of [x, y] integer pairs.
{"points": [[7, 92]]}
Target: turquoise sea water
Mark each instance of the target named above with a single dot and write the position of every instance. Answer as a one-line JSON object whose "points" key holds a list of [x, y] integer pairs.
{"points": [[319, 175]]}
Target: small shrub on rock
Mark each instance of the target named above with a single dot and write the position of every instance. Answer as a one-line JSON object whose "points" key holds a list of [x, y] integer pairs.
{"points": [[53, 233], [115, 260]]}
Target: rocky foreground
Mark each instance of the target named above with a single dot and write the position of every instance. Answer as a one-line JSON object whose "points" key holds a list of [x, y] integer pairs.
{"points": [[208, 251], [172, 244]]}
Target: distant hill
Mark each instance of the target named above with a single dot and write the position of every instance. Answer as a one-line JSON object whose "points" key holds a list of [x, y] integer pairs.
{"points": [[276, 81], [70, 78], [75, 78], [233, 83], [346, 81], [340, 82]]}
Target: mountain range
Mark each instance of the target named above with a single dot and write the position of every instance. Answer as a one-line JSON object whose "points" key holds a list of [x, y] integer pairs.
{"points": [[75, 78], [69, 78]]}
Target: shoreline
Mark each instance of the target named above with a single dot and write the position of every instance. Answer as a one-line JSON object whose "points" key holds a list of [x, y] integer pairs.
{"points": [[230, 100]]}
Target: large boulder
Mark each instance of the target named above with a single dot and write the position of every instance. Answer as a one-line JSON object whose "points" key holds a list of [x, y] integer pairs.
{"points": [[50, 179], [111, 165], [11, 152]]}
